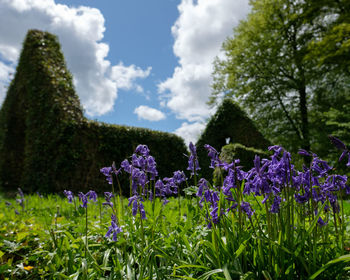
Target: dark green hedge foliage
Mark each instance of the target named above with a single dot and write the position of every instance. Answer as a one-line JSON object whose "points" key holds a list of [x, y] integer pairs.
{"points": [[46, 143], [245, 154], [229, 122]]}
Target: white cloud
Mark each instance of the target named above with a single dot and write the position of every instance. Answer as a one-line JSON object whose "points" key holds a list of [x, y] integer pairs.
{"points": [[125, 76], [80, 31], [190, 132], [148, 113], [5, 75], [199, 32]]}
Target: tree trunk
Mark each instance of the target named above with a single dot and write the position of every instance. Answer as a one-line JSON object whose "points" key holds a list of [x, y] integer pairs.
{"points": [[304, 121]]}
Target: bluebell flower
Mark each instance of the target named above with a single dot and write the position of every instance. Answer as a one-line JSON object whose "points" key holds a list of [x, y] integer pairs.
{"points": [[137, 206], [202, 185], [245, 206], [83, 198], [214, 156], [107, 171], [321, 222], [90, 195], [69, 195], [193, 164], [108, 197], [143, 150], [275, 207], [114, 228], [179, 177], [341, 146]]}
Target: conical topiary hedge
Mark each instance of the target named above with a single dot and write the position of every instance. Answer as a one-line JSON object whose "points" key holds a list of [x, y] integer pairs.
{"points": [[230, 123]]}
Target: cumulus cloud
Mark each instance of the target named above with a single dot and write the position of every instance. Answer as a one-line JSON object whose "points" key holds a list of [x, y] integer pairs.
{"points": [[148, 113], [190, 131], [80, 31], [5, 75], [125, 76], [199, 32]]}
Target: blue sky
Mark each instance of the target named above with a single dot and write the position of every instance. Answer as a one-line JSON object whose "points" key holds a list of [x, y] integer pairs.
{"points": [[144, 63]]}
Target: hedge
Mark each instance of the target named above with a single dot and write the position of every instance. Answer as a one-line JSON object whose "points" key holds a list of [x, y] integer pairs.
{"points": [[46, 143], [230, 123]]}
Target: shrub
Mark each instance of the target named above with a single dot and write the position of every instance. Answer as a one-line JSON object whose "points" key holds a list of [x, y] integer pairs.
{"points": [[229, 122]]}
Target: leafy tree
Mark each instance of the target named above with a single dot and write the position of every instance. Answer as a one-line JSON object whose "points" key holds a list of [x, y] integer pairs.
{"points": [[331, 23], [271, 68]]}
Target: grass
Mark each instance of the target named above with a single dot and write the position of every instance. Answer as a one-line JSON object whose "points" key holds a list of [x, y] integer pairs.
{"points": [[46, 241]]}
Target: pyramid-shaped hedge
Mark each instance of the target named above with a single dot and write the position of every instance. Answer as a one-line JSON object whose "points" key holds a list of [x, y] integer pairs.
{"points": [[47, 144], [231, 123]]}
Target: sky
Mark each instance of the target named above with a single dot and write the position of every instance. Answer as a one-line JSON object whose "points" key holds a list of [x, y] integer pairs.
{"points": [[143, 63]]}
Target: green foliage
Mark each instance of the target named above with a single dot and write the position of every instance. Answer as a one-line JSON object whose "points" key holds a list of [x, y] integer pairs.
{"points": [[238, 151], [273, 69], [39, 102], [332, 44], [46, 143], [230, 121]]}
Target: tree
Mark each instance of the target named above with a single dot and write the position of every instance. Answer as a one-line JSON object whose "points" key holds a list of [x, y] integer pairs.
{"points": [[331, 22], [271, 69]]}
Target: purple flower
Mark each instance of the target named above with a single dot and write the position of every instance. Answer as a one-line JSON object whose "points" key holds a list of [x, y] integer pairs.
{"points": [[202, 185], [336, 142], [69, 195], [127, 167], [179, 177], [151, 167], [341, 146], [214, 156], [275, 207], [107, 171], [304, 152], [245, 206], [108, 197], [321, 222], [137, 206], [91, 195], [193, 164], [159, 186], [83, 198], [114, 228], [143, 150]]}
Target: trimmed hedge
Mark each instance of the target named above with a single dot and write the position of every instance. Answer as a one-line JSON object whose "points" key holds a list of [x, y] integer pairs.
{"points": [[231, 152], [245, 154], [47, 145], [95, 145], [229, 121]]}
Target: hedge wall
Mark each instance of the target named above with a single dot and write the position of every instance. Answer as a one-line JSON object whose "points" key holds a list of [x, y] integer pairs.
{"points": [[95, 145], [229, 121], [47, 144]]}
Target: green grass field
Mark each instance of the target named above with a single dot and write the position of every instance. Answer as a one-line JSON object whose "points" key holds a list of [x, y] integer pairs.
{"points": [[46, 240]]}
